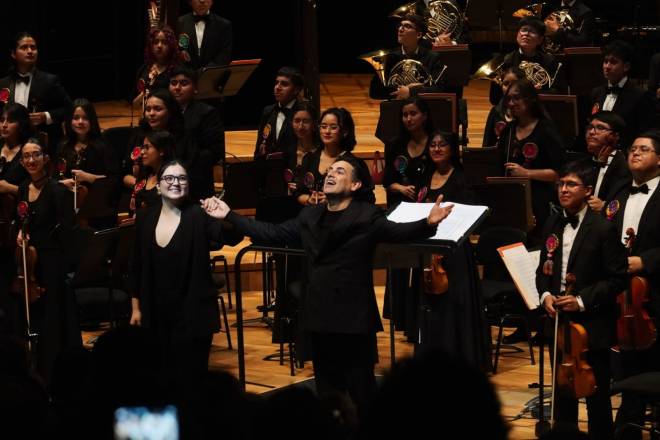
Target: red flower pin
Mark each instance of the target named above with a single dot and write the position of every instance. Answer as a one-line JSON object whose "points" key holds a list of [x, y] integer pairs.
{"points": [[22, 209], [4, 95], [135, 154]]}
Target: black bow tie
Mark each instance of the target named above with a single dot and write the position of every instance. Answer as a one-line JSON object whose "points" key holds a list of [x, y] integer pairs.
{"points": [[20, 78], [599, 164], [644, 189], [613, 90], [572, 220], [285, 110], [198, 18]]}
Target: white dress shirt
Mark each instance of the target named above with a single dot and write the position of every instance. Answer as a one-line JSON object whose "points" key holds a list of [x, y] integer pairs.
{"points": [[281, 118], [635, 207], [199, 33], [610, 99], [602, 171], [22, 96]]}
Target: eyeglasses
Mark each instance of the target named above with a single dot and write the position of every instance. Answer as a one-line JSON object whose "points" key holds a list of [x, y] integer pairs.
{"points": [[180, 82], [169, 179], [596, 128], [528, 31], [568, 184], [331, 127], [438, 145], [27, 156], [641, 149], [407, 26]]}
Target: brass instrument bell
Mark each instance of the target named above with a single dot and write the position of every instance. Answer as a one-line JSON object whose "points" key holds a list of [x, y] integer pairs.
{"points": [[491, 70], [403, 10], [377, 60]]}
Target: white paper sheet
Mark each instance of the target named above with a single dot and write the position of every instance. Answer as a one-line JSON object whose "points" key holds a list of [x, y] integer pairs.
{"points": [[522, 265]]}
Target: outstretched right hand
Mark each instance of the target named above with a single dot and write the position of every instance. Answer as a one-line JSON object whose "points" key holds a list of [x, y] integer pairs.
{"points": [[215, 208]]}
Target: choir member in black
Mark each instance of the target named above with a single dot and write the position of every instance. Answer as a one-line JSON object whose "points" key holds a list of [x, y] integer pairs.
{"points": [[531, 147], [157, 149], [337, 131], [204, 123], [499, 114], [171, 287], [407, 158], [15, 130], [453, 321], [531, 32], [586, 245], [50, 221], [161, 55], [339, 308], [205, 39], [603, 135], [87, 155], [40, 92], [639, 208], [305, 126], [409, 33], [620, 95], [582, 31]]}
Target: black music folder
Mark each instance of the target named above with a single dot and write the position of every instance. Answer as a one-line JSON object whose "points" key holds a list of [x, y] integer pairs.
{"points": [[220, 81]]}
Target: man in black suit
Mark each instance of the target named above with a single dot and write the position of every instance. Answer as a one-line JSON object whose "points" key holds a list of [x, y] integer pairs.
{"points": [[339, 309], [40, 92], [586, 245], [639, 208], [602, 136], [205, 39], [620, 95], [582, 31], [204, 123]]}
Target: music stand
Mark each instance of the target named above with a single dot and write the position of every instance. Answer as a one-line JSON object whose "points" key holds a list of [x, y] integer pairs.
{"points": [[220, 81], [510, 202], [563, 111], [480, 163], [583, 64], [458, 60]]}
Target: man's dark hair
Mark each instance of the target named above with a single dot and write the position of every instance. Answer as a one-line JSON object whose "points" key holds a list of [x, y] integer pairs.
{"points": [[293, 74], [616, 122], [417, 21], [534, 23], [19, 36], [185, 71], [654, 135], [583, 169], [619, 49], [360, 174]]}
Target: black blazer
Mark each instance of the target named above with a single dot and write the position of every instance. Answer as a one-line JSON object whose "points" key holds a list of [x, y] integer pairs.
{"points": [[632, 104], [46, 95], [286, 143], [200, 314], [616, 177], [216, 43], [647, 243], [598, 260], [340, 292]]}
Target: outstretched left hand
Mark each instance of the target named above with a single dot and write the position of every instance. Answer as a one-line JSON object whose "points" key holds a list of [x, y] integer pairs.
{"points": [[438, 213], [215, 208]]}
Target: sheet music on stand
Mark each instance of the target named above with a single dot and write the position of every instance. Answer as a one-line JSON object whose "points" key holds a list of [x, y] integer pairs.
{"points": [[453, 228], [522, 265]]}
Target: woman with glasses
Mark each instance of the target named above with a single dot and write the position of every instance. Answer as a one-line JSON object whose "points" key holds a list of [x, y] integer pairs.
{"points": [[531, 147], [172, 292], [47, 225]]}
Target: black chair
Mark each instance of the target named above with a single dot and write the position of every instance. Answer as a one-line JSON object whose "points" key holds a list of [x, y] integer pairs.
{"points": [[118, 138], [220, 281], [645, 387], [503, 304]]}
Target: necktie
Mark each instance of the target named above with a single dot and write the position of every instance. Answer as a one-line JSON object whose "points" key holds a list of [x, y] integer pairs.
{"points": [[198, 18], [644, 189], [572, 220], [285, 110], [613, 90], [24, 79]]}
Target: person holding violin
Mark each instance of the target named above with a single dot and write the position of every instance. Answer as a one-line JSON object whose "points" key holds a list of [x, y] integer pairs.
{"points": [[581, 244], [47, 226], [637, 207]]}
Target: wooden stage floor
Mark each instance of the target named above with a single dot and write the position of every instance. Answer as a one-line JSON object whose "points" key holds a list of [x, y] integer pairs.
{"points": [[350, 91]]}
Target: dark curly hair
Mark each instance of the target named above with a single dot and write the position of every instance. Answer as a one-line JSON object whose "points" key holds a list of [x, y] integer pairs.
{"points": [[173, 55]]}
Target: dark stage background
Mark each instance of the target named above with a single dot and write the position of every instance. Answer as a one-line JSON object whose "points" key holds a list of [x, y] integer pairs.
{"points": [[96, 48]]}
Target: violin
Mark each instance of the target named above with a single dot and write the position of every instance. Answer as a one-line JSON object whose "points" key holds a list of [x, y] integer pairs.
{"points": [[635, 328], [7, 210], [26, 259], [573, 376]]}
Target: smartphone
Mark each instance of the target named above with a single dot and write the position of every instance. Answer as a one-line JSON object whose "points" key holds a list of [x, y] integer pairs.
{"points": [[142, 423]]}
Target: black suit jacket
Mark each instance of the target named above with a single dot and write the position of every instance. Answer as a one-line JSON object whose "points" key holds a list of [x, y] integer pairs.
{"points": [[598, 260], [216, 43], [340, 292], [584, 29], [285, 143], [203, 122], [616, 177], [632, 104], [46, 95], [647, 242]]}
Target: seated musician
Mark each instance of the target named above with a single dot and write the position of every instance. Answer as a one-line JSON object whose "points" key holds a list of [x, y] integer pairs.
{"points": [[638, 207], [530, 146], [15, 130], [50, 218], [620, 95], [530, 36], [40, 92], [410, 31], [578, 241], [602, 135], [157, 148], [85, 157], [499, 115], [580, 33], [305, 126]]}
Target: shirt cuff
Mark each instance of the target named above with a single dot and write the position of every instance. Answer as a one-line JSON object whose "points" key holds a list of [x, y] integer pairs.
{"points": [[49, 120], [580, 303], [543, 297]]}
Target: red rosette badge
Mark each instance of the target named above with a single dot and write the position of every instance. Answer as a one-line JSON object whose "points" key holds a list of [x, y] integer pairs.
{"points": [[136, 153], [611, 209], [421, 195], [499, 128], [61, 167], [22, 209], [4, 95], [529, 151], [309, 181], [141, 86], [139, 186], [551, 245]]}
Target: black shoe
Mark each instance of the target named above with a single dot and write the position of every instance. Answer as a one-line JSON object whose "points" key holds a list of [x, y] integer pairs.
{"points": [[517, 336]]}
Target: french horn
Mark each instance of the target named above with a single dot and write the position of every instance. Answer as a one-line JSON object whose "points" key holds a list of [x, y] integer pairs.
{"points": [[534, 73], [565, 22], [409, 71], [442, 17]]}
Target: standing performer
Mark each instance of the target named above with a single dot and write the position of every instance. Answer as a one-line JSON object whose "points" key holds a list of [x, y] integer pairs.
{"points": [[339, 309], [205, 38], [578, 241]]}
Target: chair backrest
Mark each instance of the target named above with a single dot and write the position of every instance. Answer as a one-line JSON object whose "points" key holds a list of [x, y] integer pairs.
{"points": [[480, 163], [118, 138], [563, 111], [486, 252], [92, 270]]}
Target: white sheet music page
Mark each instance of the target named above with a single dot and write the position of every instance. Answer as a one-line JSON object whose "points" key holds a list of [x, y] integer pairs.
{"points": [[522, 265], [453, 228]]}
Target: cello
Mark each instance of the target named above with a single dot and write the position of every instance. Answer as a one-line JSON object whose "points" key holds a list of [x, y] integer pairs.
{"points": [[635, 328], [573, 376]]}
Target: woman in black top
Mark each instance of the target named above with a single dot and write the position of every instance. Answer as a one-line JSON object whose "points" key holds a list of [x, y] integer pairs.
{"points": [[85, 155], [50, 219], [499, 115], [157, 149]]}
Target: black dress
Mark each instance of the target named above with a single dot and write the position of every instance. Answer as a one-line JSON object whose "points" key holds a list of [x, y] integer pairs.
{"points": [[402, 168], [54, 316], [495, 124], [454, 321]]}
